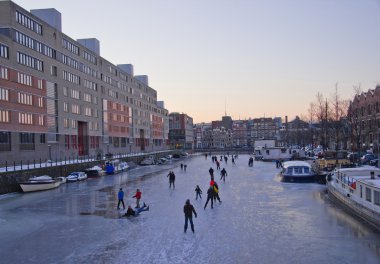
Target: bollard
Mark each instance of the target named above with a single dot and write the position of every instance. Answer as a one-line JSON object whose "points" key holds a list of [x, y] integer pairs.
{"points": [[6, 165], [21, 165], [14, 165], [28, 164], [34, 163]]}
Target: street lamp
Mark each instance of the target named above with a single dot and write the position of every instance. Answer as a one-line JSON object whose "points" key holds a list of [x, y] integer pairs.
{"points": [[49, 151]]}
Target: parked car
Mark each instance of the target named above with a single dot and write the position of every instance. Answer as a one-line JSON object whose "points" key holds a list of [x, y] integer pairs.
{"points": [[76, 176], [365, 159]]}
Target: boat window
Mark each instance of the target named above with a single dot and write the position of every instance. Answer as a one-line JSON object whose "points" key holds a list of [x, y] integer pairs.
{"points": [[368, 194], [306, 170], [376, 197], [298, 170]]}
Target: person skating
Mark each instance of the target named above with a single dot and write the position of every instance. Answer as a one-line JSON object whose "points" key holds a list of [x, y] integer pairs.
{"points": [[216, 192], [217, 165], [188, 209], [171, 176], [120, 197], [138, 197], [223, 174], [136, 212], [181, 166], [210, 197], [198, 192], [211, 171], [184, 167]]}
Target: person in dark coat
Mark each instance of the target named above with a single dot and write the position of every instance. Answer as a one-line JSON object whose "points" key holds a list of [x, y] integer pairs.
{"points": [[210, 196], [120, 197], [171, 176], [198, 192], [223, 174], [211, 171], [136, 212], [188, 209]]}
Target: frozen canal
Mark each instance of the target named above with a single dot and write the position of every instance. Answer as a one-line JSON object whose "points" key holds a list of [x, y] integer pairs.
{"points": [[260, 220]]}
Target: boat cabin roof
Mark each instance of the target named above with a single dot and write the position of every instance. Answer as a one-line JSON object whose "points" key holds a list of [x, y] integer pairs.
{"points": [[296, 163]]}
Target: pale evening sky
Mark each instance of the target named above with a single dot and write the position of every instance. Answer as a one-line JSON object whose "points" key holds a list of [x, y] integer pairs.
{"points": [[267, 57]]}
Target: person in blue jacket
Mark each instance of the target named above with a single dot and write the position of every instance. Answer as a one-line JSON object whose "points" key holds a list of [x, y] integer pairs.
{"points": [[120, 197]]}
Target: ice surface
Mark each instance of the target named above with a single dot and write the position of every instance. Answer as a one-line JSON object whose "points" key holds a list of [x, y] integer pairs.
{"points": [[260, 220]]}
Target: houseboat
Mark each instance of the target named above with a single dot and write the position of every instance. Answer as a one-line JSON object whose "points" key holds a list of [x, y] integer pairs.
{"points": [[359, 190], [297, 171], [39, 183], [279, 153]]}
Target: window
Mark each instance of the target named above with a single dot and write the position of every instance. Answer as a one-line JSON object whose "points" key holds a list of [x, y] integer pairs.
{"points": [[376, 198], [42, 138], [65, 107], [24, 79], [75, 109], [4, 73], [41, 120], [75, 94], [4, 94], [88, 56], [40, 102], [4, 51], [73, 124], [74, 141], [66, 123], [87, 111], [4, 116], [87, 97], [67, 141], [368, 194], [25, 118], [53, 71], [26, 99], [5, 141], [90, 85], [65, 91], [70, 62]]}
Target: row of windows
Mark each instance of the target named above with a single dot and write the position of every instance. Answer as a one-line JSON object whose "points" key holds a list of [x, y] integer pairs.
{"points": [[90, 85], [4, 51], [70, 46], [30, 61], [27, 99], [88, 56], [75, 94], [70, 62], [24, 79], [27, 119], [75, 109], [28, 22], [31, 43], [68, 76]]}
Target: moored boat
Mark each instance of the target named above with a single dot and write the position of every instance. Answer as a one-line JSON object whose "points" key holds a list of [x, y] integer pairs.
{"points": [[359, 190], [297, 171], [39, 183]]}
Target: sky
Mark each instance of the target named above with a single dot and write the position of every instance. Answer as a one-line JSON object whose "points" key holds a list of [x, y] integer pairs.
{"points": [[243, 58]]}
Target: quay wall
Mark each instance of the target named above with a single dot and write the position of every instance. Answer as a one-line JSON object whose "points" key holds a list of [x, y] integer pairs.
{"points": [[9, 180]]}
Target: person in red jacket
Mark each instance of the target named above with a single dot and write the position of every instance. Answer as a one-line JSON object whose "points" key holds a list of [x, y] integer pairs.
{"points": [[138, 197]]}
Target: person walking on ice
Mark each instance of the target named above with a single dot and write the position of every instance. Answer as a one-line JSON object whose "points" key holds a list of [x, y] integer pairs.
{"points": [[120, 196], [223, 174], [138, 197], [188, 210], [198, 192], [210, 196], [171, 176]]}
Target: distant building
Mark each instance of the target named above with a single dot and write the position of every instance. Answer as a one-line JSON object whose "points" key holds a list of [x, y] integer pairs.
{"points": [[239, 133], [265, 128], [181, 131]]}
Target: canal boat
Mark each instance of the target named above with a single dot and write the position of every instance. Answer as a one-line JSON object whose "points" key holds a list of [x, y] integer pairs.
{"points": [[359, 190], [297, 171], [76, 176], [39, 183], [279, 153]]}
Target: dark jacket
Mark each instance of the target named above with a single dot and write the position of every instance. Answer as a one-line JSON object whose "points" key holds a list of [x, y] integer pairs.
{"points": [[198, 190], [171, 177], [188, 209], [210, 192], [130, 212]]}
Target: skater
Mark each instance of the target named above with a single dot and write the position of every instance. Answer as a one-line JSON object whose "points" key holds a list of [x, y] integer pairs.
{"points": [[211, 171], [217, 165], [198, 192], [181, 166], [120, 197], [184, 167], [216, 192], [188, 209], [138, 197], [136, 212], [223, 174], [171, 176], [225, 159], [233, 160], [210, 196]]}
